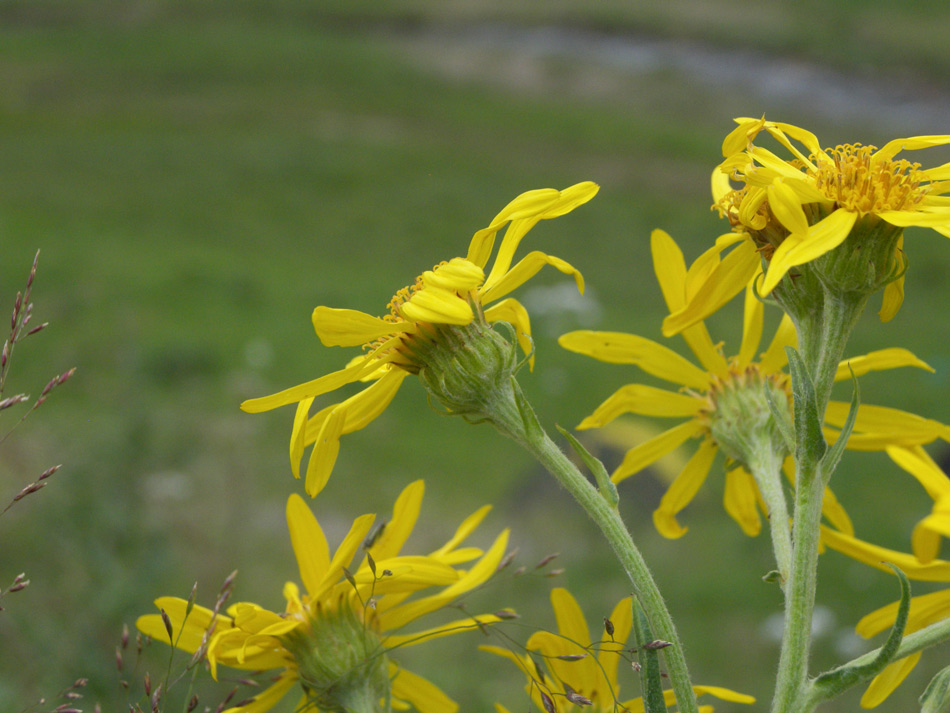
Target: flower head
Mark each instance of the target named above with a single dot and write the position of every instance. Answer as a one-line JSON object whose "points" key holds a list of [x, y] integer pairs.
{"points": [[576, 667], [842, 210], [723, 399], [334, 639], [438, 328]]}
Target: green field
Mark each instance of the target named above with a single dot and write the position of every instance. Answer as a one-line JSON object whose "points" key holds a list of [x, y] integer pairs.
{"points": [[199, 176]]}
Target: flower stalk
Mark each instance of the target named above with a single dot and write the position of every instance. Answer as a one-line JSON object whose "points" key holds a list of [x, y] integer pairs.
{"points": [[513, 416]]}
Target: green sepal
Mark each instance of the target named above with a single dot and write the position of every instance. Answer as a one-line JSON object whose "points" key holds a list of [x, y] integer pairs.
{"points": [[936, 697], [830, 684], [651, 682], [781, 420], [810, 441], [605, 485], [833, 454]]}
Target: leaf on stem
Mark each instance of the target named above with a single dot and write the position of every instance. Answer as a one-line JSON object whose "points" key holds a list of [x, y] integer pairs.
{"points": [[605, 485], [830, 684], [651, 681], [810, 440], [833, 455]]}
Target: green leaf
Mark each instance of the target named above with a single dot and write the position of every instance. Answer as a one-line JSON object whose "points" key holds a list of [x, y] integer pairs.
{"points": [[830, 684], [936, 697], [780, 418], [608, 490], [651, 682], [529, 420], [810, 441], [834, 453]]}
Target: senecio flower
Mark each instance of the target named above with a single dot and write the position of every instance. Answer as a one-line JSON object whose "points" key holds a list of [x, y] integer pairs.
{"points": [[795, 211], [587, 679], [723, 400], [335, 639], [437, 328]]}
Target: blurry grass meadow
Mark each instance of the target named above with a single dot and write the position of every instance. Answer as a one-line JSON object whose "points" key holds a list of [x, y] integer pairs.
{"points": [[200, 175]]}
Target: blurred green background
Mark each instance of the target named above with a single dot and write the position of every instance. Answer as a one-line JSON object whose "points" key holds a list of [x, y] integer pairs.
{"points": [[200, 175]]}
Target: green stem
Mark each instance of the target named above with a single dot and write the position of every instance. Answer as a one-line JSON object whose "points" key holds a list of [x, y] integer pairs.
{"points": [[822, 338], [767, 472], [800, 590], [523, 427]]}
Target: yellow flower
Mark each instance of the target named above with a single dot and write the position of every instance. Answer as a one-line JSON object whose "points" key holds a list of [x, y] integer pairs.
{"points": [[704, 387], [793, 211], [594, 676], [359, 612], [443, 308]]}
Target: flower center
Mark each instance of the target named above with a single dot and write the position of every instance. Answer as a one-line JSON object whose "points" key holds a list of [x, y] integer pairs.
{"points": [[858, 183]]}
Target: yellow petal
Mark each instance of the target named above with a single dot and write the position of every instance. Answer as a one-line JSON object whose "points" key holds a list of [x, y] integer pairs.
{"points": [[514, 313], [725, 282], [457, 275], [875, 556], [424, 695], [892, 300], [644, 400], [774, 358], [405, 515], [648, 452], [890, 678], [452, 627], [344, 554], [919, 464], [609, 657], [188, 632], [784, 203], [670, 269], [723, 694], [432, 304], [740, 137], [297, 435], [752, 319], [527, 268], [892, 148], [835, 514], [822, 237], [351, 328], [925, 540], [683, 490], [361, 409], [269, 697], [324, 384], [653, 358], [467, 527], [309, 543], [901, 427], [471, 579], [326, 448], [567, 200], [740, 501], [879, 360], [528, 203]]}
